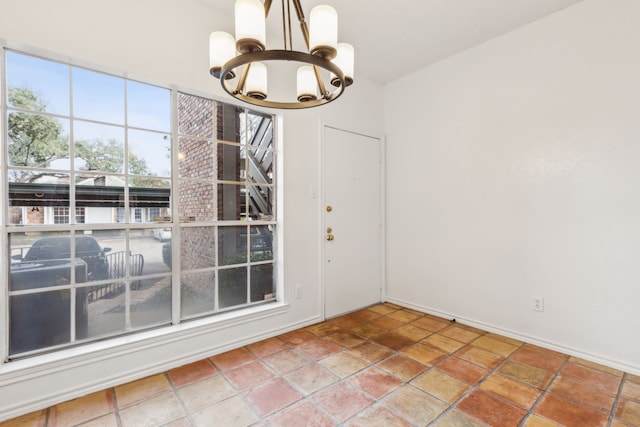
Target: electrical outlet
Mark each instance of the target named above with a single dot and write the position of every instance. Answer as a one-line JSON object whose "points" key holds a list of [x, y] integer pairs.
{"points": [[297, 292], [538, 303]]}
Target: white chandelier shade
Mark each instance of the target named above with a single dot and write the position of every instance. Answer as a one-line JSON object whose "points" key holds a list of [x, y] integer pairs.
{"points": [[256, 85], [250, 25], [323, 31], [345, 61], [222, 47], [306, 85]]}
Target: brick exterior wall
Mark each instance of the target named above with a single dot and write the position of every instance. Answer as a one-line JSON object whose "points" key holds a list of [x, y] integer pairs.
{"points": [[199, 161]]}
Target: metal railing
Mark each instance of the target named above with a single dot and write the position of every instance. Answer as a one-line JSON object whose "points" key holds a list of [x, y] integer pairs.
{"points": [[117, 262]]}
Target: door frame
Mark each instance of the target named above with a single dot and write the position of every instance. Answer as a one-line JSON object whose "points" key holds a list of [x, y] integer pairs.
{"points": [[383, 203]]}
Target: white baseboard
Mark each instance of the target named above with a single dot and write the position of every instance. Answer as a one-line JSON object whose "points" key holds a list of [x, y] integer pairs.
{"points": [[561, 348]]}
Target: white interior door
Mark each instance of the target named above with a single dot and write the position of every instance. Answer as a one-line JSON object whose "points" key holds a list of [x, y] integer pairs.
{"points": [[353, 251]]}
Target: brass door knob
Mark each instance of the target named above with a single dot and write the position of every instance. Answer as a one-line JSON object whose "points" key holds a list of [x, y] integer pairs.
{"points": [[329, 237]]}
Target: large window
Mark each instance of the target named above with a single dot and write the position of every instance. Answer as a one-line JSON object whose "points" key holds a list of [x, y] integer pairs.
{"points": [[170, 223]]}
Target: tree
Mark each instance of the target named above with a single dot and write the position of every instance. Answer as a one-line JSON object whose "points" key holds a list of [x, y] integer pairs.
{"points": [[99, 155], [34, 140]]}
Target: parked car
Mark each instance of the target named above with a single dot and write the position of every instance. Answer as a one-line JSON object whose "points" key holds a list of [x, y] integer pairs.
{"points": [[162, 234], [87, 248]]}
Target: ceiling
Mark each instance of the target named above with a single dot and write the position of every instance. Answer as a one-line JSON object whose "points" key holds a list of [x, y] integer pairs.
{"points": [[393, 38]]}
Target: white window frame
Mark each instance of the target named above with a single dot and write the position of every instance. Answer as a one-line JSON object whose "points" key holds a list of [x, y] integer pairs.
{"points": [[245, 313]]}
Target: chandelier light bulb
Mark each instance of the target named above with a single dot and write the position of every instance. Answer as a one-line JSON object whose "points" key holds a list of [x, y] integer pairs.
{"points": [[344, 60], [306, 84], [250, 26], [222, 47], [323, 31], [256, 84]]}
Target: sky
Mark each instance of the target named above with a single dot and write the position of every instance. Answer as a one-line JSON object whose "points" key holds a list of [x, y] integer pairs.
{"points": [[94, 96]]}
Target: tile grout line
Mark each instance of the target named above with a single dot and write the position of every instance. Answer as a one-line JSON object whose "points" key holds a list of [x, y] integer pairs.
{"points": [[544, 393], [614, 407], [454, 405]]}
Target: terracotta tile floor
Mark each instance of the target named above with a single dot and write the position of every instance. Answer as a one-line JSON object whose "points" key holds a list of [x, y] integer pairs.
{"points": [[381, 366]]}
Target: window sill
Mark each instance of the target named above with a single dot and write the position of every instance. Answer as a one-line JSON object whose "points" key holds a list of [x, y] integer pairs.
{"points": [[19, 370]]}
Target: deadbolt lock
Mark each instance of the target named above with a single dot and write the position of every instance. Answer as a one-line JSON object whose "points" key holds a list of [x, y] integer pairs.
{"points": [[329, 208], [329, 230]]}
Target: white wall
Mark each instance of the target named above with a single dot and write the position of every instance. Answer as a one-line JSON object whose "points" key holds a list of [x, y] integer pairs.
{"points": [[166, 41], [512, 172]]}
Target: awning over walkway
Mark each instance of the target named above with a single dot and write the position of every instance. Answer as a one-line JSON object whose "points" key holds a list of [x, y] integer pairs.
{"points": [[34, 194]]}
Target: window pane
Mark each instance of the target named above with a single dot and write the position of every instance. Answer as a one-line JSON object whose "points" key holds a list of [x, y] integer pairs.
{"points": [[197, 200], [232, 245], [106, 313], [98, 96], [261, 243], [195, 157], [150, 251], [262, 282], [231, 202], [195, 116], [261, 202], [197, 293], [98, 147], [39, 320], [232, 286], [229, 121], [231, 165], [260, 131], [148, 106], [101, 196], [149, 153], [151, 306], [37, 141], [197, 247], [37, 84], [32, 259], [260, 166], [36, 201], [146, 193]]}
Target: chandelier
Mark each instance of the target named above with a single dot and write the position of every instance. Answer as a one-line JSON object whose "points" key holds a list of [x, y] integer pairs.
{"points": [[240, 63]]}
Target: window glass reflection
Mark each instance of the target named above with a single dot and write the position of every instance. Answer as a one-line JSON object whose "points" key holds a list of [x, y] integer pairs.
{"points": [[232, 245], [260, 199], [197, 247], [37, 141], [232, 286], [262, 282], [151, 303], [149, 153], [37, 84], [195, 116], [261, 166], [148, 106], [231, 164], [196, 200], [40, 201], [231, 202], [261, 239], [195, 158], [197, 293], [98, 147], [98, 96]]}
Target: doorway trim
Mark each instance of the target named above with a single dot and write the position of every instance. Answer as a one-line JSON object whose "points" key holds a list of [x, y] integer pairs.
{"points": [[383, 209]]}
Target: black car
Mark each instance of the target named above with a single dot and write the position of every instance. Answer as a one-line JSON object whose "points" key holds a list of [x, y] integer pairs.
{"points": [[87, 248]]}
